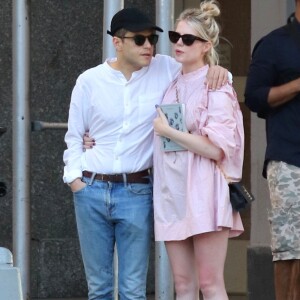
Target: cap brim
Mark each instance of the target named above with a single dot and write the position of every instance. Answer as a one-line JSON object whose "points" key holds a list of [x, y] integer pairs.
{"points": [[158, 29]]}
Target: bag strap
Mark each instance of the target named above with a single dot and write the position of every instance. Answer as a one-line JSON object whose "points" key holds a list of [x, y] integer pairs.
{"points": [[228, 179]]}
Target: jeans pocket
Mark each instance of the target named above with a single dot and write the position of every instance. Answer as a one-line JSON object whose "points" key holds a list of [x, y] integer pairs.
{"points": [[140, 188], [80, 190]]}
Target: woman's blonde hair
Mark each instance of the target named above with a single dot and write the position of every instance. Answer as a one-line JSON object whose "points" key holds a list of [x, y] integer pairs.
{"points": [[202, 20]]}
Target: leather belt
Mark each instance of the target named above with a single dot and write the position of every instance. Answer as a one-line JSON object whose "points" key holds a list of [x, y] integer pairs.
{"points": [[138, 177]]}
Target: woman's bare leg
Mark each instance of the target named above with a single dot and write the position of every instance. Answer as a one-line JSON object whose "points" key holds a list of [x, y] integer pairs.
{"points": [[210, 253], [181, 256]]}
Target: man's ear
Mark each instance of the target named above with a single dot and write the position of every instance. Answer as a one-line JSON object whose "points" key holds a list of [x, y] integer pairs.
{"points": [[117, 42]]}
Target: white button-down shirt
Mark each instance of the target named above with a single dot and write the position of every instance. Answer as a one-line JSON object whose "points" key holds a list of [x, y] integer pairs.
{"points": [[118, 114]]}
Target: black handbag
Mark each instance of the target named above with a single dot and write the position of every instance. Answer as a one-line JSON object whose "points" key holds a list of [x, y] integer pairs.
{"points": [[240, 197]]}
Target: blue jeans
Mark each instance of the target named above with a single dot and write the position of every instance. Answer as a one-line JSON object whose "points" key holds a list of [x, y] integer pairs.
{"points": [[109, 213]]}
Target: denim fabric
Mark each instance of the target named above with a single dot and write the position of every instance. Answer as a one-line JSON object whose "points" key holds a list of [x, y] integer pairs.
{"points": [[109, 213]]}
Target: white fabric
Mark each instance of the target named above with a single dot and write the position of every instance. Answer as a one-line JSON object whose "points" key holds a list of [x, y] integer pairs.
{"points": [[190, 193], [118, 114]]}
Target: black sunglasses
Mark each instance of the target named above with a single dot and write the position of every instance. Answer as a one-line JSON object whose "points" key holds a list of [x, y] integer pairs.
{"points": [[141, 39], [187, 39]]}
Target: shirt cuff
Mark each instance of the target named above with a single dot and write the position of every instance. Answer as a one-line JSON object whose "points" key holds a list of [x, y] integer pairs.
{"points": [[71, 175], [230, 77]]}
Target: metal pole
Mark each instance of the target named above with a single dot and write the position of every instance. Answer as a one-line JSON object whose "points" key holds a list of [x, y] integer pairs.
{"points": [[110, 8], [165, 20], [40, 125], [21, 141], [164, 287]]}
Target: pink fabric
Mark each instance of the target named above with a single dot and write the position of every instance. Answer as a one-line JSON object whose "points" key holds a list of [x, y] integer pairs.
{"points": [[190, 192]]}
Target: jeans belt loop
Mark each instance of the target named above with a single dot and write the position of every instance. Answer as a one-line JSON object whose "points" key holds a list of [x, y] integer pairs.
{"points": [[92, 178], [124, 179]]}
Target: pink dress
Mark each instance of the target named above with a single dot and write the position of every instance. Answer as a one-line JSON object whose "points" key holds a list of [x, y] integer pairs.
{"points": [[190, 192]]}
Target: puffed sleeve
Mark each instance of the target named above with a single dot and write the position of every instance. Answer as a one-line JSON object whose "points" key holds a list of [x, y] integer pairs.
{"points": [[224, 128]]}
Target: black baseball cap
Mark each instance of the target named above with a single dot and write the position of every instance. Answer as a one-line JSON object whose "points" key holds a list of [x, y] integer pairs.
{"points": [[132, 20]]}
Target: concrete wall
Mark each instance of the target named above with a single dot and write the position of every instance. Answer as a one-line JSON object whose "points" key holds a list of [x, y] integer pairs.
{"points": [[260, 268], [276, 14]]}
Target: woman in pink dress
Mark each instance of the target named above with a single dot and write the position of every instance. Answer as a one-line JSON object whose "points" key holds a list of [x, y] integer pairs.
{"points": [[192, 210]]}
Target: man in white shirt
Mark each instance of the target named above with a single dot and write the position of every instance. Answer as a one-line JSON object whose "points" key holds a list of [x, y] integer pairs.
{"points": [[111, 182]]}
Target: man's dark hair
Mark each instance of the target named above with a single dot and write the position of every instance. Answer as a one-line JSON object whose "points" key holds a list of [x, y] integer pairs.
{"points": [[121, 32]]}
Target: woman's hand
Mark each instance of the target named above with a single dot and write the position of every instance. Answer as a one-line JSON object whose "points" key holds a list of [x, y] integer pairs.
{"points": [[160, 123], [88, 142], [200, 145]]}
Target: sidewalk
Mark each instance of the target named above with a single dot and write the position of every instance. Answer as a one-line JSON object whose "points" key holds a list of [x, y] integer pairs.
{"points": [[149, 297]]}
